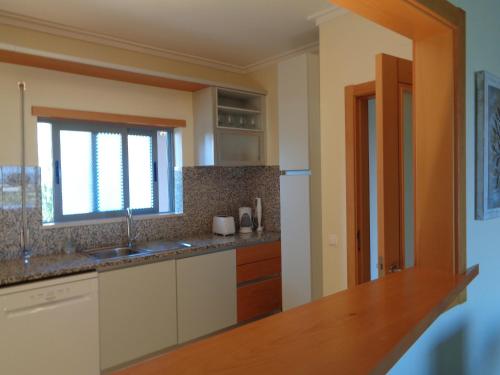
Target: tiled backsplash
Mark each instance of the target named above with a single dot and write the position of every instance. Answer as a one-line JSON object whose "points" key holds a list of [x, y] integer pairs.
{"points": [[207, 191]]}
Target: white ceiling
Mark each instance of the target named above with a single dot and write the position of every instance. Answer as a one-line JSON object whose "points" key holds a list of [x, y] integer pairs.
{"points": [[237, 33]]}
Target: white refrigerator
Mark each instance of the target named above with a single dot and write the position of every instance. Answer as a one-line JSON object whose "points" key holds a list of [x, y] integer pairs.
{"points": [[294, 111]]}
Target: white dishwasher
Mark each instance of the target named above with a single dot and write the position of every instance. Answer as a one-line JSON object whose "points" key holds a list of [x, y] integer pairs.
{"points": [[50, 327]]}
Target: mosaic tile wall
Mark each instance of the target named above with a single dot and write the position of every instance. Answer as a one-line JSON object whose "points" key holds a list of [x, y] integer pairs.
{"points": [[207, 191]]}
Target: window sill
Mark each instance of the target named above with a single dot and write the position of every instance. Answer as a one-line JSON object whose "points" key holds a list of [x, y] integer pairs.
{"points": [[110, 220]]}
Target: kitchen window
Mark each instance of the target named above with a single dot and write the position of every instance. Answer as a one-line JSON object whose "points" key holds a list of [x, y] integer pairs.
{"points": [[97, 170]]}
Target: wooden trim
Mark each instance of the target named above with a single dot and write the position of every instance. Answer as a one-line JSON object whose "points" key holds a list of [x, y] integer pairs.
{"points": [[388, 160], [403, 87], [391, 73], [460, 164], [415, 19], [353, 96], [437, 29], [363, 186], [59, 65], [351, 186], [59, 113], [363, 330]]}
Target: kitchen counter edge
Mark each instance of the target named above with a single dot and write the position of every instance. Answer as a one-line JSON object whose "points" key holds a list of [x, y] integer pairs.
{"points": [[15, 271]]}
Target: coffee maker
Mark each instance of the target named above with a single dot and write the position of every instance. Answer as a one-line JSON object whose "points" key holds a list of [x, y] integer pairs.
{"points": [[245, 220]]}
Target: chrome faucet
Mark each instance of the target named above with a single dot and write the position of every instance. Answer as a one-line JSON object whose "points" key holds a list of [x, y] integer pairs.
{"points": [[130, 228]]}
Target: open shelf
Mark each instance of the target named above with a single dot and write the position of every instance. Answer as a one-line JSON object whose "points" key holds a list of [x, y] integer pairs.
{"points": [[230, 127], [237, 109], [240, 129]]}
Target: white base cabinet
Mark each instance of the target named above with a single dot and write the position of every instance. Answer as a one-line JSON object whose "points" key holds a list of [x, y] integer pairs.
{"points": [[206, 294], [138, 312]]}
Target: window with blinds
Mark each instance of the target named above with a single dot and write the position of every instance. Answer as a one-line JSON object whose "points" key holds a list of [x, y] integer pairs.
{"points": [[97, 170]]}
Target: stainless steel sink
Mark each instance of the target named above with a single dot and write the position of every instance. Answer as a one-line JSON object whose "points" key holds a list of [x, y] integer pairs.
{"points": [[138, 250], [160, 246], [116, 252]]}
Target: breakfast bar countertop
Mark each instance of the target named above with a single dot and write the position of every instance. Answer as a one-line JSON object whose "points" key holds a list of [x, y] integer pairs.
{"points": [[361, 330], [15, 271]]}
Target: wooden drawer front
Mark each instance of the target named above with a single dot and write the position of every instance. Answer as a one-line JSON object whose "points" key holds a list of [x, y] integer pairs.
{"points": [[257, 270], [259, 299], [259, 252]]}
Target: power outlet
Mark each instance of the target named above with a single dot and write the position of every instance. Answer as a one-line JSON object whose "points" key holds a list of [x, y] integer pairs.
{"points": [[333, 240]]}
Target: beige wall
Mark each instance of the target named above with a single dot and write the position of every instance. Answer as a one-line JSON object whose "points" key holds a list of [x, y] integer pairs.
{"points": [[348, 45], [50, 88], [55, 89]]}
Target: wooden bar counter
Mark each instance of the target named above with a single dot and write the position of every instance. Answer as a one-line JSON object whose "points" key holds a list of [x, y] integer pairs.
{"points": [[363, 330]]}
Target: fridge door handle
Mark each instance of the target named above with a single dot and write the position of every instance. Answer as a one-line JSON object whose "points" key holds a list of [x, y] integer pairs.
{"points": [[296, 172]]}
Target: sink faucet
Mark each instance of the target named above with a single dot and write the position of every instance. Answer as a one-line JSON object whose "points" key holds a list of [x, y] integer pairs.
{"points": [[130, 227]]}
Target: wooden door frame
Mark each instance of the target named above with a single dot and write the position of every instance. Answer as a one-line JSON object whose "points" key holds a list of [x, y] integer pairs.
{"points": [[437, 29], [356, 102]]}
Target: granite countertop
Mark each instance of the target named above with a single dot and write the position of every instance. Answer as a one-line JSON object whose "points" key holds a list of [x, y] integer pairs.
{"points": [[44, 267]]}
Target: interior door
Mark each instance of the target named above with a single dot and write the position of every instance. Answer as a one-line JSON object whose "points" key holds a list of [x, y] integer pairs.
{"points": [[392, 75]]}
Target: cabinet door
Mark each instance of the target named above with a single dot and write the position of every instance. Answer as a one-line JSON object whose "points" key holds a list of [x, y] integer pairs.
{"points": [[138, 312], [240, 148], [293, 113], [206, 294], [259, 299]]}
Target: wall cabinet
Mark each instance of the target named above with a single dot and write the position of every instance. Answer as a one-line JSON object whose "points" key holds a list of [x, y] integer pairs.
{"points": [[138, 312], [206, 294], [229, 127], [259, 281]]}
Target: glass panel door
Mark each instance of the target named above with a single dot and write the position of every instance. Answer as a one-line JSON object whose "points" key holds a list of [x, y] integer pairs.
{"points": [[240, 147]]}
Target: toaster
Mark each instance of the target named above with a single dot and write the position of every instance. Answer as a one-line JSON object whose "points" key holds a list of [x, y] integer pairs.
{"points": [[223, 225]]}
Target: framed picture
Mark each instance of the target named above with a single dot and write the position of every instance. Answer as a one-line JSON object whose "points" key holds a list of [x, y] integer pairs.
{"points": [[487, 146]]}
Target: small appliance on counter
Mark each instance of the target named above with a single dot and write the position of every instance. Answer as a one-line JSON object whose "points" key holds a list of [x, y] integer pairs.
{"points": [[245, 220], [223, 225]]}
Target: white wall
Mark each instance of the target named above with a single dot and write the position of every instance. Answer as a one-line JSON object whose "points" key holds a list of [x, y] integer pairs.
{"points": [[466, 340], [267, 79], [348, 46]]}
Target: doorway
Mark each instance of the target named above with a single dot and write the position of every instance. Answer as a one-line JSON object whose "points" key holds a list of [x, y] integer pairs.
{"points": [[360, 101], [380, 172]]}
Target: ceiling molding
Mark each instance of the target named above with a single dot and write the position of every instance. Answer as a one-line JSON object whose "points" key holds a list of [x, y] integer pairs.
{"points": [[311, 47], [35, 24], [17, 20], [327, 15]]}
